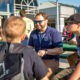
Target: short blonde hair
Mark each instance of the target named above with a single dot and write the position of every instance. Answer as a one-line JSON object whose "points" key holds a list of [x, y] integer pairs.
{"points": [[14, 27]]}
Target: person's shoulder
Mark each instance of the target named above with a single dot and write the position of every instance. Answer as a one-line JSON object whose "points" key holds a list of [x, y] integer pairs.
{"points": [[35, 31], [52, 30], [28, 51], [22, 49], [28, 19], [29, 48]]}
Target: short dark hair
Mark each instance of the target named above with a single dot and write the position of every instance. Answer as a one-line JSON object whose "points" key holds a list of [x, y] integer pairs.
{"points": [[42, 14], [74, 19], [22, 13]]}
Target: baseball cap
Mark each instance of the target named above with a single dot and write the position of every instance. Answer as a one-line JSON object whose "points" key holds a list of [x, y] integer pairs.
{"points": [[74, 19]]}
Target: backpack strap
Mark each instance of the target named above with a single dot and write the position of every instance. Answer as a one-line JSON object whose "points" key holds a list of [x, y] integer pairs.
{"points": [[11, 59]]}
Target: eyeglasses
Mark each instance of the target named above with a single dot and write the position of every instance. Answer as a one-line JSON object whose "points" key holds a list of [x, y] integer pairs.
{"points": [[35, 22]]}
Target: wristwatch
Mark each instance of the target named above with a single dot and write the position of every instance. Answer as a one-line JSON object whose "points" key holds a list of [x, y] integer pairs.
{"points": [[46, 51]]}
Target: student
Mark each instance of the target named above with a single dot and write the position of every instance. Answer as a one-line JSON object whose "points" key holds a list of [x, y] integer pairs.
{"points": [[29, 64], [47, 42], [29, 26], [73, 26]]}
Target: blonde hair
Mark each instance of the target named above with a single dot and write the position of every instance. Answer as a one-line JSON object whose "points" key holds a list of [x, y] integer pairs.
{"points": [[14, 27]]}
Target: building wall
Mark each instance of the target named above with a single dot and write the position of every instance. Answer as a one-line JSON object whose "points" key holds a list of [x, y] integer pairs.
{"points": [[50, 11], [45, 5], [66, 11]]}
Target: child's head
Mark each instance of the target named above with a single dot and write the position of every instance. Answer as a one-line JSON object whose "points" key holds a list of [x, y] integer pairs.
{"points": [[14, 28]]}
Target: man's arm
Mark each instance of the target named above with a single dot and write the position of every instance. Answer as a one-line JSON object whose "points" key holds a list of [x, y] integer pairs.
{"points": [[76, 74], [57, 43], [72, 42], [54, 51]]}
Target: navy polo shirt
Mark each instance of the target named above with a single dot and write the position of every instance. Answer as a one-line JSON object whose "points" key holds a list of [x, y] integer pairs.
{"points": [[51, 38]]}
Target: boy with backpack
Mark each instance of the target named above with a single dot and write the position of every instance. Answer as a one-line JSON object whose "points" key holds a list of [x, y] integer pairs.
{"points": [[18, 62]]}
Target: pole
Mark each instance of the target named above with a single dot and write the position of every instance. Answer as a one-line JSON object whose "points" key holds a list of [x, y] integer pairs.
{"points": [[8, 10], [57, 16], [14, 8]]}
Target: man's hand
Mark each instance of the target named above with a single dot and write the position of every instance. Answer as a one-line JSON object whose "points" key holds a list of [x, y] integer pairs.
{"points": [[41, 53]]}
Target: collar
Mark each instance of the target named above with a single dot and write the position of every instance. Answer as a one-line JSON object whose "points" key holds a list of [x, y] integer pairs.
{"points": [[38, 31]]}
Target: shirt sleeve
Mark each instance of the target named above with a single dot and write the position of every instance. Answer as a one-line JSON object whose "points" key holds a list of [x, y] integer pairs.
{"points": [[57, 39]]}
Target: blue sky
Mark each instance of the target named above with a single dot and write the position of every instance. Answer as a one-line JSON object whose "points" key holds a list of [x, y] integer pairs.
{"points": [[70, 2]]}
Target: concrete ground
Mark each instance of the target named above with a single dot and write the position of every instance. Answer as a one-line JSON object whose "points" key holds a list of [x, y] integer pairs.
{"points": [[63, 63]]}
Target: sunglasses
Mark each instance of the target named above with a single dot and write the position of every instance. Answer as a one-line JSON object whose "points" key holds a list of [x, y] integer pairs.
{"points": [[35, 22]]}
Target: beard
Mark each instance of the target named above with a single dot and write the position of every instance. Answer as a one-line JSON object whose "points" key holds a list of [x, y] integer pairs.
{"points": [[40, 26]]}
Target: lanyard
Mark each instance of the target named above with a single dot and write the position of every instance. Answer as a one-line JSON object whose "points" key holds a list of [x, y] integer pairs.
{"points": [[41, 37]]}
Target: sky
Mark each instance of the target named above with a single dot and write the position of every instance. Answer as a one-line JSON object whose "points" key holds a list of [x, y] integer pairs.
{"points": [[70, 2]]}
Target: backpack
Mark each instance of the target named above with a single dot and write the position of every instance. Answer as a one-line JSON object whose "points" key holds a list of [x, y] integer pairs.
{"points": [[10, 63]]}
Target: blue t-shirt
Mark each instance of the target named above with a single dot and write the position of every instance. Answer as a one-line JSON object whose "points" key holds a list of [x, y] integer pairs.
{"points": [[51, 38]]}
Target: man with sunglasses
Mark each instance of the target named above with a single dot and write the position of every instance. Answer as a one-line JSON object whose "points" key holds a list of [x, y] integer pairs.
{"points": [[73, 25], [47, 42]]}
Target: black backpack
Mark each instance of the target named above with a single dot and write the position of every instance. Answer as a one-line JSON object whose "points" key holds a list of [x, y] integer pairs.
{"points": [[10, 63]]}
